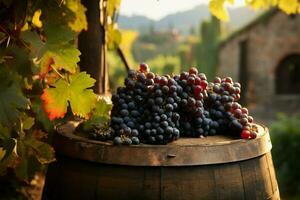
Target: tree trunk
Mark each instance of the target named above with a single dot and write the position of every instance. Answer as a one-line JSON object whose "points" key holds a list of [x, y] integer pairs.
{"points": [[91, 44]]}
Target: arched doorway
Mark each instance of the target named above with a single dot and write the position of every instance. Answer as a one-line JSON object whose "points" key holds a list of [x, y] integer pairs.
{"points": [[287, 79]]}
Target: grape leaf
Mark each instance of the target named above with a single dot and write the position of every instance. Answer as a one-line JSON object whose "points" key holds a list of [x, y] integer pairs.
{"points": [[8, 145], [11, 100], [41, 116], [216, 7], [57, 52], [100, 116], [42, 151], [17, 58], [58, 34], [45, 64], [82, 100], [7, 142], [31, 154], [28, 123], [27, 167], [34, 41], [113, 37], [288, 6], [79, 22], [66, 58], [257, 4], [56, 100], [102, 108], [112, 5], [36, 18]]}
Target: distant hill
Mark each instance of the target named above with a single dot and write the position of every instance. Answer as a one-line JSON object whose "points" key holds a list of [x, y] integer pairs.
{"points": [[184, 21]]}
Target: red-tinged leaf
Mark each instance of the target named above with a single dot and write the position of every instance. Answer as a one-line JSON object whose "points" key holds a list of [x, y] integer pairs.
{"points": [[65, 57], [55, 103], [75, 92], [45, 64]]}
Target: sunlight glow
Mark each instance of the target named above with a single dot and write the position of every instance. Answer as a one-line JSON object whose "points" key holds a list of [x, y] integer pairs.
{"points": [[157, 9]]}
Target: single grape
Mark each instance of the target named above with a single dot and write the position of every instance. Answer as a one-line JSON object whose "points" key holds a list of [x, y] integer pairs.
{"points": [[135, 140], [144, 67], [117, 140]]}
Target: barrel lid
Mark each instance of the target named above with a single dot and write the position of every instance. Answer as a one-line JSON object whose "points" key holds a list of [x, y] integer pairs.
{"points": [[182, 152]]}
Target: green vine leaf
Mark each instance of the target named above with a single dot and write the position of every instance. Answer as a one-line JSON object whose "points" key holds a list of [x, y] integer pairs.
{"points": [[11, 100], [41, 150], [28, 123], [41, 115], [75, 92], [34, 41], [7, 143], [102, 109], [65, 57], [27, 167], [56, 52], [16, 58], [100, 116], [114, 37], [58, 34]]}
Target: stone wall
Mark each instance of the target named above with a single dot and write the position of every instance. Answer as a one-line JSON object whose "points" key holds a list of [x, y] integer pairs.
{"points": [[268, 43]]}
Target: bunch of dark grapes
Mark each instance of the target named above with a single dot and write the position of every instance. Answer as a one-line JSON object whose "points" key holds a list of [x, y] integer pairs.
{"points": [[128, 110], [194, 118], [222, 104], [145, 110], [157, 109]]}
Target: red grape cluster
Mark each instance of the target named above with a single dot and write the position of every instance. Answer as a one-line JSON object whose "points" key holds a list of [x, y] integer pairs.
{"points": [[157, 109]]}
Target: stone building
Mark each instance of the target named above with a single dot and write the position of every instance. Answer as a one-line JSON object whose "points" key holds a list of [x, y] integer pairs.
{"points": [[264, 57]]}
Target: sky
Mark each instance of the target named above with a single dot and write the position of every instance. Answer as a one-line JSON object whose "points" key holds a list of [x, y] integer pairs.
{"points": [[157, 9]]}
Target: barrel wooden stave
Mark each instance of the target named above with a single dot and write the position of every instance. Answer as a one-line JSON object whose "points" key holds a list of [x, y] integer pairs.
{"points": [[217, 167], [78, 179]]}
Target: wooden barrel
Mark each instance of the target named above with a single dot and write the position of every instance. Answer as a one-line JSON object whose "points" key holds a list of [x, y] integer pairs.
{"points": [[215, 167]]}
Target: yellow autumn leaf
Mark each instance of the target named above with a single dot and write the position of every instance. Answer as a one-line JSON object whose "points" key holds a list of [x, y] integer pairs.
{"points": [[25, 27], [79, 22], [36, 18], [216, 7], [274, 2], [288, 6], [257, 4]]}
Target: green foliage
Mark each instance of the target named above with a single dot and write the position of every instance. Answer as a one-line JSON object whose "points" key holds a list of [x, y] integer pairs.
{"points": [[113, 35], [71, 92], [100, 116], [285, 135], [207, 50], [11, 99], [38, 60], [164, 64], [151, 45]]}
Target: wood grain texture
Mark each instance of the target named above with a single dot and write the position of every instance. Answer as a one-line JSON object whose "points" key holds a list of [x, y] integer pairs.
{"points": [[83, 170], [70, 178], [185, 151]]}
